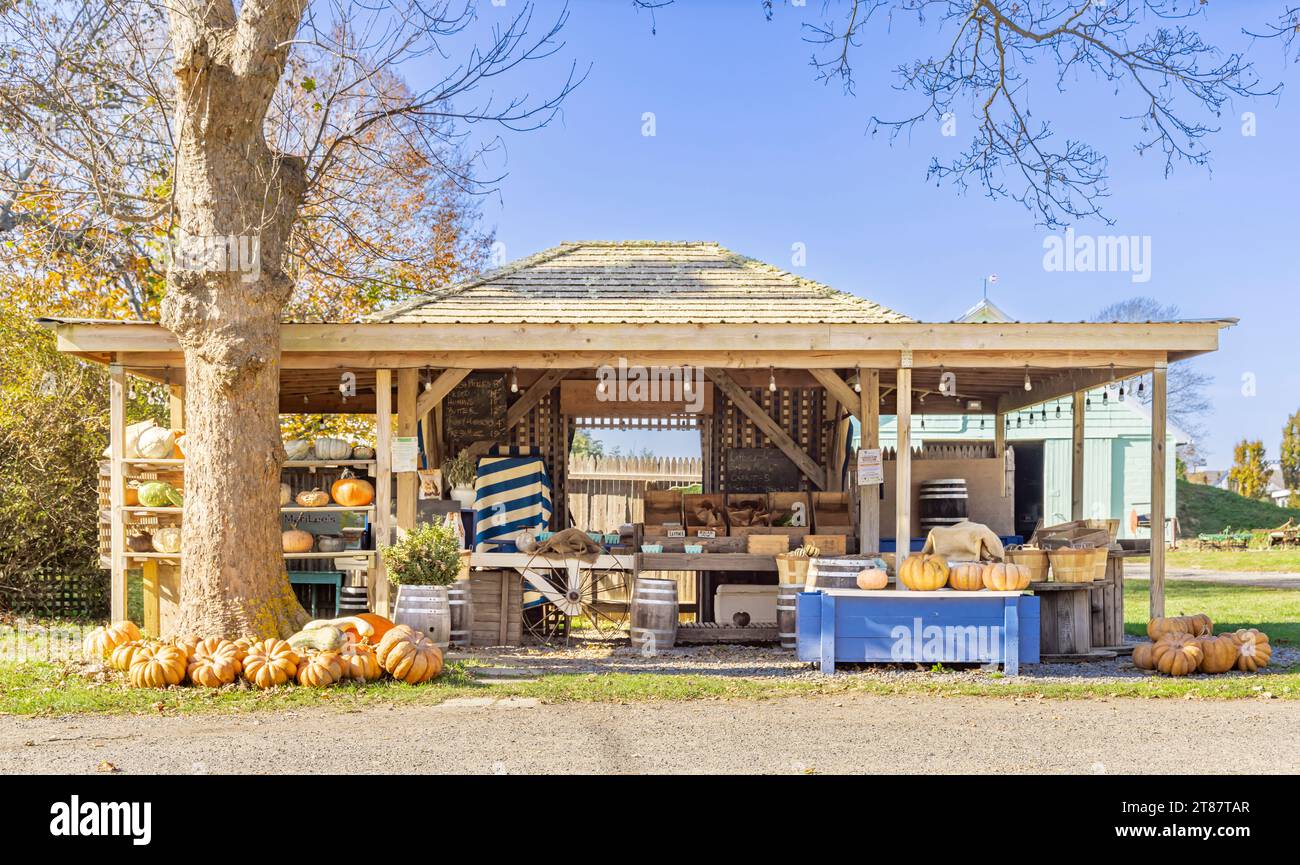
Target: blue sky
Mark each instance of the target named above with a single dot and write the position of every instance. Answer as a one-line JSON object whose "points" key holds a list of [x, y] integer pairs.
{"points": [[752, 152]]}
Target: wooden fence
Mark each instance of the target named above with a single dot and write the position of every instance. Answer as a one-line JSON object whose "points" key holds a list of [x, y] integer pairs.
{"points": [[605, 493]]}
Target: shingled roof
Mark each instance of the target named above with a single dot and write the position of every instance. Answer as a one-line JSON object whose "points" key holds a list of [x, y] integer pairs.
{"points": [[606, 282]]}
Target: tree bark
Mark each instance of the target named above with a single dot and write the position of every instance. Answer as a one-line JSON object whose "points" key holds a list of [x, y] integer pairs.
{"points": [[236, 202]]}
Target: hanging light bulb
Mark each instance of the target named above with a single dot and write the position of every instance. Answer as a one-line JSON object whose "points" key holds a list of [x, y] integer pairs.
{"points": [[857, 381], [1121, 391], [1019, 420], [1141, 386], [514, 380], [981, 421], [1044, 418], [428, 380], [1105, 397], [1058, 409], [1087, 401], [943, 384], [1008, 424], [601, 387], [771, 379], [687, 380], [922, 421], [1029, 385], [305, 401]]}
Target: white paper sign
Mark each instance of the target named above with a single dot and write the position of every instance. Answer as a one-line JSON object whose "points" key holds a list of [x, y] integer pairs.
{"points": [[406, 454], [871, 468]]}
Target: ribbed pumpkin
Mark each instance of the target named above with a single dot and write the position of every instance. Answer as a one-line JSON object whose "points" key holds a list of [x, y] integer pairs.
{"points": [[1144, 656], [1006, 577], [100, 642], [312, 499], [321, 669], [360, 664], [1198, 626], [1177, 654], [872, 579], [1253, 649], [922, 573], [157, 667], [296, 540], [409, 656], [1218, 654], [966, 576], [270, 662], [213, 669], [186, 643], [332, 449], [352, 491], [124, 655]]}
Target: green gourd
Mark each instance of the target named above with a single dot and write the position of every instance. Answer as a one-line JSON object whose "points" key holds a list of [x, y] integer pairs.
{"points": [[160, 494]]}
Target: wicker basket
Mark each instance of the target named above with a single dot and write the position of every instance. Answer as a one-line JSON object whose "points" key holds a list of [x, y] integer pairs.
{"points": [[792, 569], [1037, 561], [1071, 565]]}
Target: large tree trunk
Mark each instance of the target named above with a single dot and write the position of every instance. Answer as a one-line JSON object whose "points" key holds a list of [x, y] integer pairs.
{"points": [[236, 202]]}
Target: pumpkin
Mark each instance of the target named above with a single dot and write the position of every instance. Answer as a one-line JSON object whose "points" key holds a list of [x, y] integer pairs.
{"points": [[215, 662], [922, 573], [363, 452], [100, 642], [966, 576], [1218, 654], [312, 499], [360, 662], [352, 491], [124, 655], [188, 643], [1177, 654], [348, 624], [326, 638], [409, 656], [872, 578], [156, 443], [179, 451], [131, 495], [1253, 649], [286, 494], [167, 539], [297, 449], [1144, 656], [157, 667], [218, 647], [332, 449], [1006, 577], [321, 669], [1198, 626], [297, 541], [160, 494], [380, 625], [270, 662]]}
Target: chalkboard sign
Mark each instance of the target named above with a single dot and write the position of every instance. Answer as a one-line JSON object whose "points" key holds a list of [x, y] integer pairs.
{"points": [[760, 470], [475, 410]]}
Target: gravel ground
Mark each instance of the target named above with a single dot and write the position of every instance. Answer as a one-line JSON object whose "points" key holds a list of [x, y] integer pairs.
{"points": [[858, 733]]}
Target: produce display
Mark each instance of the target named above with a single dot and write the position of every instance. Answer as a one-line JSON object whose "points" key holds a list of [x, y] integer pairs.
{"points": [[1197, 649], [157, 666], [215, 662], [360, 664], [166, 539], [352, 491], [297, 449], [270, 663], [156, 443], [321, 669], [100, 643], [332, 448], [924, 573], [296, 540], [1177, 654], [1004, 577], [124, 655], [966, 576], [312, 499], [1219, 654], [1198, 626], [409, 656], [1253, 649]]}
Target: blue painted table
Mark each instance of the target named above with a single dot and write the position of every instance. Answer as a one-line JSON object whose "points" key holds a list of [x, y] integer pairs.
{"points": [[851, 626]]}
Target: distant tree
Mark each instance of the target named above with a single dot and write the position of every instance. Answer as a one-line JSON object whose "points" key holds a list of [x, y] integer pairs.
{"points": [[1249, 475], [1290, 458], [586, 446]]}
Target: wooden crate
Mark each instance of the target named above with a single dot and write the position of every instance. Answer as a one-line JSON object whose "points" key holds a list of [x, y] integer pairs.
{"points": [[829, 545], [691, 503], [767, 545], [831, 514], [662, 509], [737, 500], [498, 607]]}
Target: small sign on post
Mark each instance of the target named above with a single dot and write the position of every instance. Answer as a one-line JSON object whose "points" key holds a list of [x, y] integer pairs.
{"points": [[405, 454], [871, 467]]}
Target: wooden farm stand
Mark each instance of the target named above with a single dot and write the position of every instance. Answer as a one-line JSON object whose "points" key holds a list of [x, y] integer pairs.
{"points": [[785, 363]]}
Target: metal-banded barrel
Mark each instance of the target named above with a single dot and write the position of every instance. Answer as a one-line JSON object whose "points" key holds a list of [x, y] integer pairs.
{"points": [[787, 594], [461, 601], [654, 615], [425, 609], [353, 600], [943, 503]]}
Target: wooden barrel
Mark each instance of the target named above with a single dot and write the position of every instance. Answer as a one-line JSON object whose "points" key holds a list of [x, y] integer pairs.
{"points": [[654, 615], [425, 609], [786, 625], [461, 601], [353, 600], [943, 503], [838, 572]]}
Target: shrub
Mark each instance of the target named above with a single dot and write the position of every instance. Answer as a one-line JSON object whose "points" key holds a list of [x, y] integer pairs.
{"points": [[427, 556]]}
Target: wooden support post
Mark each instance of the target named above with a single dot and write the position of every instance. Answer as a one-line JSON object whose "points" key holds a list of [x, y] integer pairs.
{"points": [[1159, 430], [408, 483], [1077, 411], [383, 488], [1000, 447], [117, 452], [150, 592], [869, 497], [903, 465], [176, 406]]}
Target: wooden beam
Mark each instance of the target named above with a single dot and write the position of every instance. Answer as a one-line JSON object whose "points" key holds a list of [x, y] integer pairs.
{"points": [[1063, 385], [1076, 455], [770, 427], [176, 406], [869, 497], [840, 389], [408, 420], [903, 471], [1159, 431], [437, 392], [117, 452], [383, 488], [1000, 448]]}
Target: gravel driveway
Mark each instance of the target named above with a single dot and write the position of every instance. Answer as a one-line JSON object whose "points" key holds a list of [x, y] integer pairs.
{"points": [[859, 733]]}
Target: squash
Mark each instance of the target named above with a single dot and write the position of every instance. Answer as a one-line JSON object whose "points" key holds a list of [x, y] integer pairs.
{"points": [[922, 573], [214, 647], [160, 494], [1006, 577], [409, 656], [332, 449], [156, 443], [321, 669], [167, 539], [297, 541], [312, 498], [966, 576], [352, 491], [1198, 626], [124, 655], [215, 662], [379, 623], [297, 449], [1144, 656], [326, 638], [1177, 654], [100, 642], [157, 667], [187, 643], [1253, 649], [179, 450], [286, 494], [348, 624], [269, 663], [871, 579], [131, 494], [1218, 654], [363, 452], [360, 663]]}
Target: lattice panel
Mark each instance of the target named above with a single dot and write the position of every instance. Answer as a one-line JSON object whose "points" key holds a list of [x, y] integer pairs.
{"points": [[800, 412]]}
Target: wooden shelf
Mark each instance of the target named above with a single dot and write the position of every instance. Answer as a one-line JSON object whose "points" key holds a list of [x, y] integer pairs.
{"points": [[141, 509], [318, 464], [296, 509], [345, 554]]}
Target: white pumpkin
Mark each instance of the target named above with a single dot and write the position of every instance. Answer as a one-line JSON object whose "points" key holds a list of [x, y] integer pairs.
{"points": [[167, 539], [286, 494], [297, 449], [363, 452], [156, 443], [332, 449]]}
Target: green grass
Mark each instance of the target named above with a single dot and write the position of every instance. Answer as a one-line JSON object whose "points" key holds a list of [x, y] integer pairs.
{"points": [[1204, 509], [1233, 561], [1276, 612]]}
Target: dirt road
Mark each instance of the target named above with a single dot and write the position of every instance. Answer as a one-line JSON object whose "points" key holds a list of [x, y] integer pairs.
{"points": [[826, 735]]}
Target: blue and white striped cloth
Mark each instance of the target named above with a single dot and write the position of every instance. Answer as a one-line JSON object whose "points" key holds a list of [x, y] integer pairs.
{"points": [[512, 492]]}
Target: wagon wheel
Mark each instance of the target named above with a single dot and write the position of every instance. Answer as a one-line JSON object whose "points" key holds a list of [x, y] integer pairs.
{"points": [[577, 598]]}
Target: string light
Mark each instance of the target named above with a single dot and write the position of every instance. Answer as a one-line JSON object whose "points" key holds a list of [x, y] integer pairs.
{"points": [[857, 381], [1044, 414], [943, 385], [1121, 392], [514, 380], [601, 387], [1019, 418], [1087, 402], [1058, 409], [1029, 385], [1141, 386], [1105, 397], [687, 383], [981, 421], [771, 379], [428, 380]]}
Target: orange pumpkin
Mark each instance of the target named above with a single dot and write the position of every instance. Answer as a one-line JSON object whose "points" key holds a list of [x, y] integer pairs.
{"points": [[270, 662], [360, 662], [1198, 626], [1006, 577], [922, 573], [352, 491], [1144, 656], [157, 667], [966, 576], [1177, 654], [124, 655], [187, 643], [321, 669], [1218, 654], [379, 623], [101, 642], [1253, 649], [871, 579], [409, 656]]}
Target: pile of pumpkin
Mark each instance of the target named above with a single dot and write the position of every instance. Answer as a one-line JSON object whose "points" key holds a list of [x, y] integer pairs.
{"points": [[1181, 645], [359, 648], [929, 573]]}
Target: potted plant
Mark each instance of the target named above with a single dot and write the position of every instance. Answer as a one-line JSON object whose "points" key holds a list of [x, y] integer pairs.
{"points": [[423, 563], [459, 473]]}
